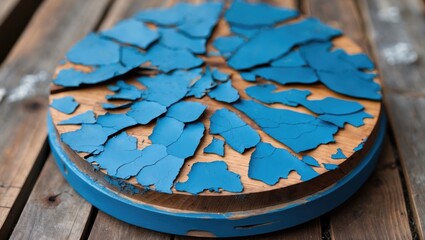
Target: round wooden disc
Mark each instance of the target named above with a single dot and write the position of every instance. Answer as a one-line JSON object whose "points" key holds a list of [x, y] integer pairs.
{"points": [[256, 195]]}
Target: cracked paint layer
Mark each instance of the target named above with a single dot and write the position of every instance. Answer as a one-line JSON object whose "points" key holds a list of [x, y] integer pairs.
{"points": [[145, 111], [216, 146], [86, 117], [220, 76], [186, 111], [338, 155], [291, 59], [125, 91], [228, 44], [89, 138], [210, 176], [269, 164], [65, 105], [330, 166], [186, 145], [111, 106], [202, 86], [237, 133], [175, 40], [309, 160], [287, 75], [298, 131], [224, 92]]}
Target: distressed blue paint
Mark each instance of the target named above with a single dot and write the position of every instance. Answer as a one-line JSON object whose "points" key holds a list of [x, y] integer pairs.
{"points": [[161, 174], [237, 133], [65, 105], [359, 60], [354, 119], [186, 145], [224, 92], [131, 57], [246, 14], [360, 146], [165, 16], [89, 138], [266, 94], [211, 176], [125, 92], [201, 86], [228, 44], [186, 111], [330, 166], [94, 50], [269, 164], [287, 75], [244, 31], [247, 76], [133, 32], [217, 223], [309, 160], [220, 76], [166, 131], [339, 154], [144, 111], [298, 131], [113, 123], [167, 59], [111, 106], [272, 43], [216, 146], [86, 117], [292, 59], [173, 39]]}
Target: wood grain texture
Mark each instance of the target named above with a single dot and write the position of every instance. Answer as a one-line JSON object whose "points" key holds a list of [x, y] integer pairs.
{"points": [[378, 210], [107, 227], [404, 86], [54, 210], [23, 123]]}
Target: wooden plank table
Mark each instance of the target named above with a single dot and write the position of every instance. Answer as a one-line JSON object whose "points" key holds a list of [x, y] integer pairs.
{"points": [[37, 203]]}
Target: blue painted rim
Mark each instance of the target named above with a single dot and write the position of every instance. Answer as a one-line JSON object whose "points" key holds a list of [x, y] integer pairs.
{"points": [[219, 224]]}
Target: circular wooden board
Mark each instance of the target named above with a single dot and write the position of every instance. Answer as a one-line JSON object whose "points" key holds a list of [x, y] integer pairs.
{"points": [[256, 196]]}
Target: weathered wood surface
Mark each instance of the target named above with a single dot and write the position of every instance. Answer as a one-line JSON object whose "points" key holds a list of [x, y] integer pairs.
{"points": [[381, 212]]}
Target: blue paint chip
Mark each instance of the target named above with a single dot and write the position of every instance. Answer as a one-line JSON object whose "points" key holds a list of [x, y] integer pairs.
{"points": [[269, 164], [220, 76], [89, 138], [359, 60], [186, 145], [355, 119], [94, 50], [287, 75], [247, 76], [298, 131], [228, 44], [175, 40], [111, 106], [113, 123], [266, 94], [309, 160], [166, 131], [237, 133], [224, 92], [292, 59], [211, 176], [246, 32], [86, 117], [186, 111], [125, 92], [202, 86], [360, 146], [164, 16], [145, 111], [216, 147], [65, 105], [330, 166], [167, 59], [257, 14], [133, 32], [271, 44], [338, 155]]}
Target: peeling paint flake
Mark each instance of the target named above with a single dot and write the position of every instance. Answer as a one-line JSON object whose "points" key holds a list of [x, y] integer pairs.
{"points": [[338, 155], [110, 106], [292, 59], [273, 43], [202, 86], [249, 77], [86, 117], [132, 32], [228, 44], [257, 14], [211, 176], [166, 131], [145, 111], [298, 131], [237, 133], [125, 92], [65, 105], [186, 145], [113, 123], [89, 138], [224, 92], [216, 147], [269, 164], [287, 75], [330, 166], [175, 40], [220, 76], [310, 161], [186, 111]]}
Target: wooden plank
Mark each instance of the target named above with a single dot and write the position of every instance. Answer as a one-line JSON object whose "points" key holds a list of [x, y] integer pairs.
{"points": [[378, 210], [54, 28], [384, 189], [396, 30], [107, 227], [54, 210]]}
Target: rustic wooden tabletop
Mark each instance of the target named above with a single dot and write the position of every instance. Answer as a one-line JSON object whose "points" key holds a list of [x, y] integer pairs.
{"points": [[37, 203]]}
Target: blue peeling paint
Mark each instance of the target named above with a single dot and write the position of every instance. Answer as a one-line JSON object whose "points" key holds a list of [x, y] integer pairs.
{"points": [[356, 119], [287, 75], [186, 145], [113, 123], [220, 76], [125, 92], [216, 146], [360, 146], [257, 14], [173, 39], [237, 133], [166, 131], [86, 117], [89, 138], [338, 155], [271, 44], [132, 32], [292, 59], [359, 60], [144, 111], [269, 164], [94, 50], [298, 131], [211, 176], [247, 76], [186, 111], [200, 88], [309, 160], [65, 105], [224, 92], [330, 166], [110, 106], [245, 31], [228, 44]]}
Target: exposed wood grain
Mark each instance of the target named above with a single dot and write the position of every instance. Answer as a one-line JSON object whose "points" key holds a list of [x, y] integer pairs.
{"points": [[54, 210], [55, 27], [378, 210], [107, 227], [391, 22]]}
